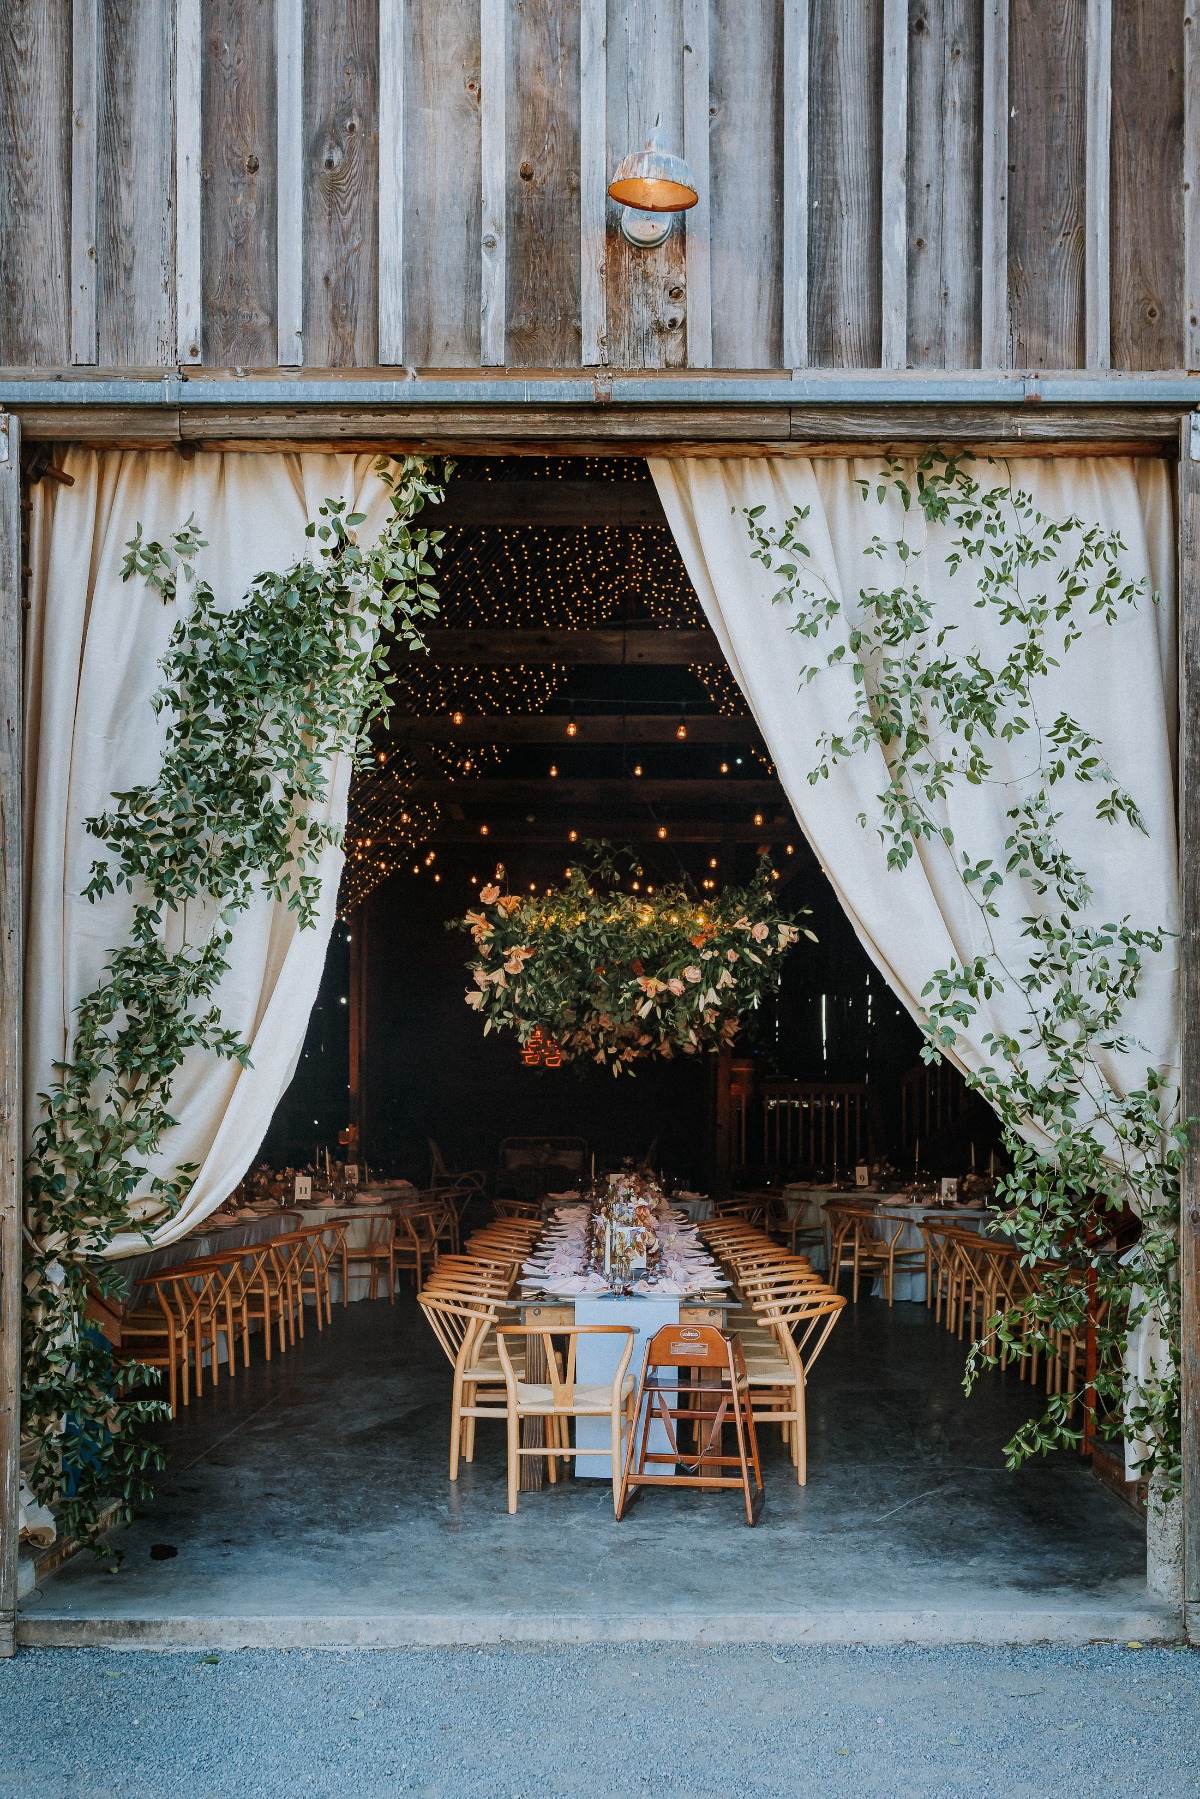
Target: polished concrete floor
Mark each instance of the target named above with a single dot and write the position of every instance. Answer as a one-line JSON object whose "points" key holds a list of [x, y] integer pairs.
{"points": [[308, 1503]]}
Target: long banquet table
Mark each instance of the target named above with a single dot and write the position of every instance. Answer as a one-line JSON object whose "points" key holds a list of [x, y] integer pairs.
{"points": [[220, 1234], [644, 1313], [810, 1203]]}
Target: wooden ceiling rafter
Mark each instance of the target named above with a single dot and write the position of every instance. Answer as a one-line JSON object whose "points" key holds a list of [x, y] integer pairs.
{"points": [[551, 728]]}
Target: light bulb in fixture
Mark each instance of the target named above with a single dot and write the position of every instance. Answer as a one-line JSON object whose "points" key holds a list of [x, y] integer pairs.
{"points": [[456, 718], [574, 836], [637, 768], [572, 727], [662, 830], [483, 830], [553, 769], [724, 768], [681, 728], [712, 862], [758, 818]]}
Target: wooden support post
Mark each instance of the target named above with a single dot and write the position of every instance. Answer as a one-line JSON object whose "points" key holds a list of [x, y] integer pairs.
{"points": [[593, 181], [358, 1024], [994, 247], [722, 1182], [391, 181], [795, 183], [894, 246], [85, 51], [1189, 820], [493, 15], [187, 182], [696, 127], [11, 988], [289, 183], [1097, 228]]}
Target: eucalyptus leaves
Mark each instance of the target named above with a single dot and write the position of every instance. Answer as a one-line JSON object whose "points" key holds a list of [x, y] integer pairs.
{"points": [[1085, 1139], [258, 700], [616, 977]]}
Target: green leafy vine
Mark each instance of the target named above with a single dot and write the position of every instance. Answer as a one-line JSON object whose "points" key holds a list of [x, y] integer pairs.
{"points": [[258, 699], [1082, 1151]]}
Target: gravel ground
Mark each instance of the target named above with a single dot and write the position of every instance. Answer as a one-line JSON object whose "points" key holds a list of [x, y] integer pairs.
{"points": [[609, 1722]]}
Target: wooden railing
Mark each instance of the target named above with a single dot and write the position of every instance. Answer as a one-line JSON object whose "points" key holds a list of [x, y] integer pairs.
{"points": [[792, 1127], [932, 1096]]}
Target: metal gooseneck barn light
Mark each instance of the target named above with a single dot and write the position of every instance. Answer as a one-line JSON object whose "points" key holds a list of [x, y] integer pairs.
{"points": [[651, 186]]}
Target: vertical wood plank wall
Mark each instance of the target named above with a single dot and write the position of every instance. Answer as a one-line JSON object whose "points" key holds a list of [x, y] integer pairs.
{"points": [[35, 180], [1189, 791], [239, 190], [930, 183], [11, 902], [945, 177]]}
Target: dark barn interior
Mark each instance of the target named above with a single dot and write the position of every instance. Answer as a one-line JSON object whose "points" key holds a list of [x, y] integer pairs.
{"points": [[573, 693]]}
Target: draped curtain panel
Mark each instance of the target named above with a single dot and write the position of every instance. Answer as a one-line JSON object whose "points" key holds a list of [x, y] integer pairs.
{"points": [[92, 665], [1119, 681]]}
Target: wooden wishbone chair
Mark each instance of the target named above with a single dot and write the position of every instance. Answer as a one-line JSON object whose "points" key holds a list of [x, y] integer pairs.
{"points": [[376, 1254], [560, 1398], [155, 1334], [463, 1324]]}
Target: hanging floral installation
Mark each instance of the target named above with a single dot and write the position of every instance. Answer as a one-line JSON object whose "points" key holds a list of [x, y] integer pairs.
{"points": [[616, 977]]}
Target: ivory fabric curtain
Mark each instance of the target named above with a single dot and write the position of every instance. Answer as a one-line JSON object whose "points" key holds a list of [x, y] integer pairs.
{"points": [[1119, 681], [92, 664]]}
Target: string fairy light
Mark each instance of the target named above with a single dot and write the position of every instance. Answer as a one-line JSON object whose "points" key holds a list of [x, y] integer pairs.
{"points": [[513, 578]]}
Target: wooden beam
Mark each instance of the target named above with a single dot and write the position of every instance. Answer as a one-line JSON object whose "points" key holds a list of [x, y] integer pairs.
{"points": [[795, 182], [563, 504], [748, 796], [696, 126], [493, 310], [1189, 812], [1097, 257], [188, 338], [593, 181], [11, 990], [391, 181], [635, 648], [289, 183], [1191, 185], [894, 248], [610, 830], [551, 727], [994, 353]]}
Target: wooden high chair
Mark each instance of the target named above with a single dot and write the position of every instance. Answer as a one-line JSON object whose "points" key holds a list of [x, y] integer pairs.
{"points": [[715, 1393]]}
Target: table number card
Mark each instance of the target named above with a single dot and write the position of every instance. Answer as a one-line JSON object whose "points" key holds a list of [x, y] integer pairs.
{"points": [[352, 1174], [304, 1189], [949, 1186], [862, 1175]]}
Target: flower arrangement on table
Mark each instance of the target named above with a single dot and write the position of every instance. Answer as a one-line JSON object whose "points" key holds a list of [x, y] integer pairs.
{"points": [[615, 977], [622, 1229]]}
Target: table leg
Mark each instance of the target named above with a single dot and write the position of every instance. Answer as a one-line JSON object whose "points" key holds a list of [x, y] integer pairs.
{"points": [[533, 1430]]}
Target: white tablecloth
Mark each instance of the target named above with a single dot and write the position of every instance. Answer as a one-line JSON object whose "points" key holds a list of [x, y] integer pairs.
{"points": [[209, 1239], [357, 1231], [596, 1360], [810, 1203]]}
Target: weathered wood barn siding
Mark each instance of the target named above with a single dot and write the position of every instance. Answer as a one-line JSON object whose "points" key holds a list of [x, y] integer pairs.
{"points": [[356, 183]]}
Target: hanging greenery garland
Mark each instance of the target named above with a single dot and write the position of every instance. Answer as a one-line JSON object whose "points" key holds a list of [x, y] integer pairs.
{"points": [[257, 699], [616, 977], [1082, 1149]]}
